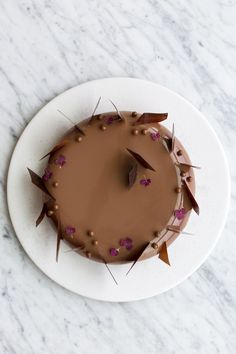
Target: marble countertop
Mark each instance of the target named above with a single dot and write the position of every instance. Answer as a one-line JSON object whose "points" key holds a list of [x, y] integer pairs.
{"points": [[49, 46]]}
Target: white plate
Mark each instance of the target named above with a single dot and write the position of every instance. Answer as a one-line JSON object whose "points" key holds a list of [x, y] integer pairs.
{"points": [[150, 277]]}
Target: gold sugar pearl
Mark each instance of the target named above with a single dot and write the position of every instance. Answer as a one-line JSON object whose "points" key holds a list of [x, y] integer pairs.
{"points": [[103, 127], [182, 174], [50, 213], [56, 207], [95, 242], [135, 132], [178, 190], [55, 184], [134, 114], [79, 139], [90, 233], [155, 246], [179, 152], [88, 254], [144, 131], [156, 233]]}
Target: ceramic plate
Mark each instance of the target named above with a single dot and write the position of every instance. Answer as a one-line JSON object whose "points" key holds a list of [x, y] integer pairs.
{"points": [[147, 278]]}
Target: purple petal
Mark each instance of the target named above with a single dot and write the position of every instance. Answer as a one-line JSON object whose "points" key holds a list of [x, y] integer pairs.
{"points": [[122, 242], [109, 120], [155, 136], [180, 213], [61, 160], [114, 251], [70, 230], [47, 175]]}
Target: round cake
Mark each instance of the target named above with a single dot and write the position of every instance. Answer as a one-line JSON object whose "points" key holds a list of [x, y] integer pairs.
{"points": [[119, 187]]}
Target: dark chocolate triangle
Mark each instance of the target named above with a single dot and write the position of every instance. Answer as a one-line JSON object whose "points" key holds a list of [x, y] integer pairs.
{"points": [[191, 198], [56, 148], [148, 118], [42, 214], [118, 112], [79, 130], [170, 142], [163, 255], [59, 237], [139, 257], [38, 182], [133, 175], [185, 167], [140, 160], [94, 111]]}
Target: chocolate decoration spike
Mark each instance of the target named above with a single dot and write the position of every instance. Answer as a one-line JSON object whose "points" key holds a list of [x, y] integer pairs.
{"points": [[79, 129], [148, 118], [42, 214], [185, 167], [174, 228], [139, 257], [163, 255], [56, 148], [59, 237], [110, 273], [93, 114], [140, 160], [118, 112], [191, 198], [170, 142], [71, 121], [38, 182], [133, 175]]}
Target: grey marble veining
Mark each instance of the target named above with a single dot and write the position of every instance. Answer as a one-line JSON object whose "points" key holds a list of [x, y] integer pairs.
{"points": [[49, 46]]}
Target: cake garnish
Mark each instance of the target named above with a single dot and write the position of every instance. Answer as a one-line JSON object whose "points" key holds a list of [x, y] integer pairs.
{"points": [[127, 243], [170, 142], [140, 160], [42, 214], [47, 174], [59, 237], [117, 111], [145, 182], [133, 175], [56, 148], [70, 230], [79, 129], [163, 255], [185, 167], [191, 198], [180, 213], [109, 120], [93, 114], [147, 118], [140, 256], [60, 161], [177, 229], [76, 126], [38, 182], [155, 136], [114, 251]]}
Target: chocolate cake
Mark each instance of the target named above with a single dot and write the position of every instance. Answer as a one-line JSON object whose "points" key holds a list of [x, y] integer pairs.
{"points": [[118, 187]]}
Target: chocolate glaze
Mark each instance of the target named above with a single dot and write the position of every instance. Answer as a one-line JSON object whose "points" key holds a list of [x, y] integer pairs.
{"points": [[93, 193]]}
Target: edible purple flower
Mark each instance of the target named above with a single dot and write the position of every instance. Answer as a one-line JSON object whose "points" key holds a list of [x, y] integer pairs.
{"points": [[109, 120], [70, 230], [61, 160], [145, 182], [180, 213], [114, 251], [47, 174], [155, 136], [127, 243]]}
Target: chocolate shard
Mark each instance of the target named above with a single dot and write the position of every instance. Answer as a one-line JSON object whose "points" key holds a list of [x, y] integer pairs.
{"points": [[185, 167], [140, 256], [140, 160], [118, 112], [79, 130], [56, 148], [170, 142], [109, 270], [163, 255], [174, 228], [38, 182], [94, 111], [148, 118], [41, 215], [133, 175], [191, 198]]}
